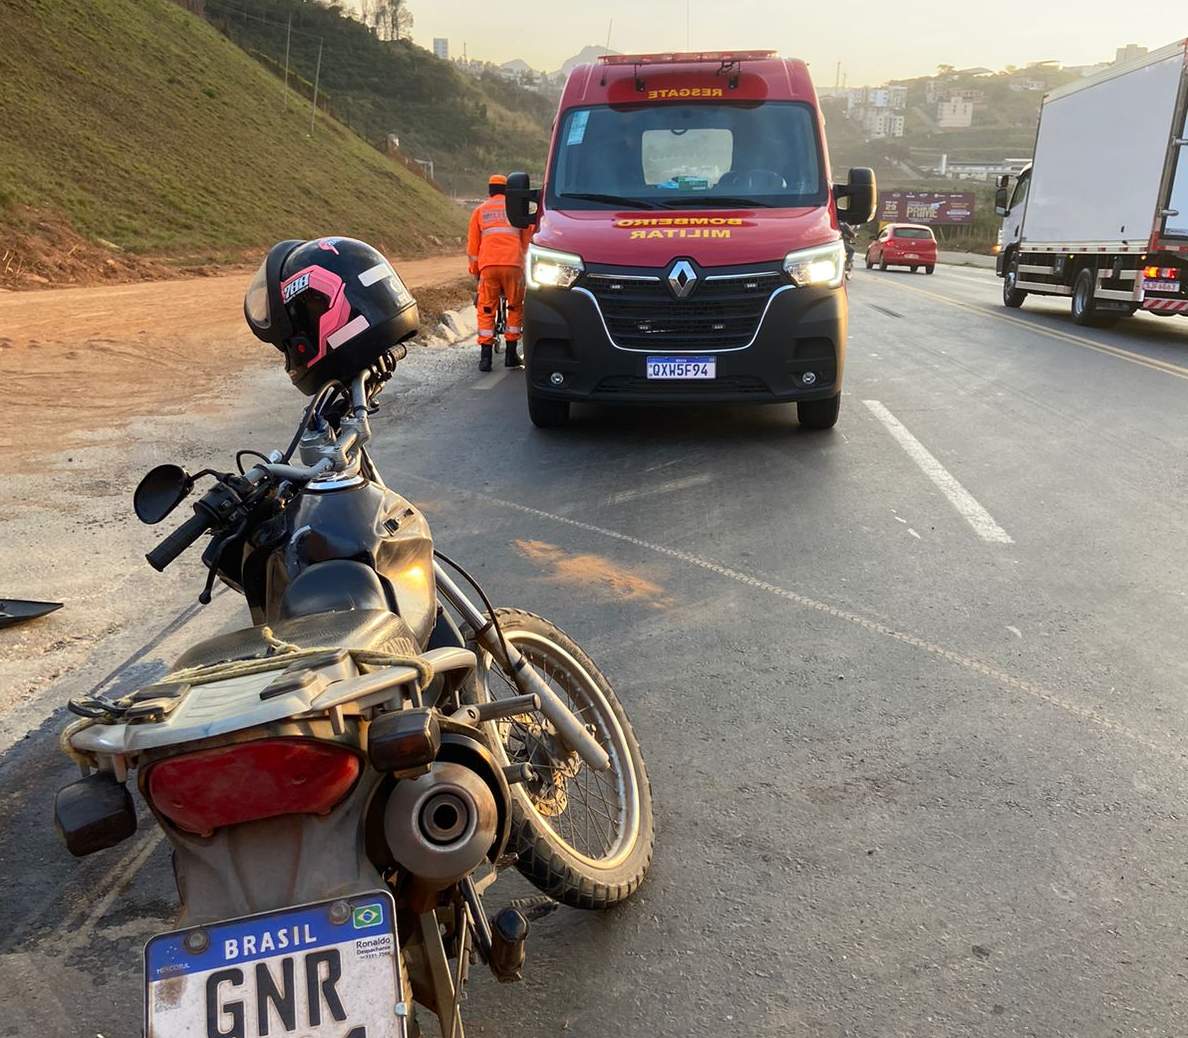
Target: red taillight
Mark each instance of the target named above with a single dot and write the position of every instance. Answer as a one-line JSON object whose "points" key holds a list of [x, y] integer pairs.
{"points": [[1161, 273], [245, 782]]}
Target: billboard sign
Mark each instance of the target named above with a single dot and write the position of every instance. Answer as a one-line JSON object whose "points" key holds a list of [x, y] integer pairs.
{"points": [[935, 208]]}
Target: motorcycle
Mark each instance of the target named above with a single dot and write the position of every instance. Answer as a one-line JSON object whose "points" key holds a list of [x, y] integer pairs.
{"points": [[849, 239], [342, 781]]}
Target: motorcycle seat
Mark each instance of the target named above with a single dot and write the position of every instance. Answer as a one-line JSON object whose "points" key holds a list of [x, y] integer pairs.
{"points": [[378, 630]]}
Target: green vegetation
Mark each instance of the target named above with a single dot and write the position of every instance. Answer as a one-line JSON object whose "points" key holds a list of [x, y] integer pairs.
{"points": [[468, 126], [138, 123]]}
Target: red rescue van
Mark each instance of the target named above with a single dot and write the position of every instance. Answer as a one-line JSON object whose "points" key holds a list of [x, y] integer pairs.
{"points": [[687, 243]]}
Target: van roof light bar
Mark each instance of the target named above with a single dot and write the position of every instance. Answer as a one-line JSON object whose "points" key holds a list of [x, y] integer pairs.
{"points": [[717, 57]]}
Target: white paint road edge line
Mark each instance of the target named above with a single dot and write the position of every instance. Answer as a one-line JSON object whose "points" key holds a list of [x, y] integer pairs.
{"points": [[492, 380], [961, 499], [970, 663], [83, 931]]}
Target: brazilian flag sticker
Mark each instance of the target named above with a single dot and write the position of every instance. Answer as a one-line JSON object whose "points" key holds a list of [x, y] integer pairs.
{"points": [[366, 916]]}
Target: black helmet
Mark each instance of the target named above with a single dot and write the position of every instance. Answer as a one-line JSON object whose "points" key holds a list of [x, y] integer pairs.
{"points": [[332, 306]]}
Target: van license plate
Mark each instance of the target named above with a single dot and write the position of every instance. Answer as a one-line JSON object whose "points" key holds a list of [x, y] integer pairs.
{"points": [[682, 367], [319, 971]]}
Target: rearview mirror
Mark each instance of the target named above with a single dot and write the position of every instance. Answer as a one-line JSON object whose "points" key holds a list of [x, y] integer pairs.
{"points": [[862, 196], [522, 202], [1004, 180], [1000, 201], [160, 492]]}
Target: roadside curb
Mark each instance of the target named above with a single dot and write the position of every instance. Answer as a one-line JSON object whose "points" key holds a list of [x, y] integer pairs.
{"points": [[966, 259], [454, 327]]}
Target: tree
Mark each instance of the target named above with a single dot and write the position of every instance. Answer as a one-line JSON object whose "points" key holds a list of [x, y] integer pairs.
{"points": [[391, 19]]}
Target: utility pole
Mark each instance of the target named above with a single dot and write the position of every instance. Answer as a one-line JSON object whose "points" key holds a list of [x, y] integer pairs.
{"points": [[288, 40], [317, 79], [688, 24]]}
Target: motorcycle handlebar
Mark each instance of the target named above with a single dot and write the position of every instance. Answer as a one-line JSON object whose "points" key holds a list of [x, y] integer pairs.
{"points": [[178, 541]]}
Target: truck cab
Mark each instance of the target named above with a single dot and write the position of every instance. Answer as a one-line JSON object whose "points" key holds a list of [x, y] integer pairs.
{"points": [[687, 244]]}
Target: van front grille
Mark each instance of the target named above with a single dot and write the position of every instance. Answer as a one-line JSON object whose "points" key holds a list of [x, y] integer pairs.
{"points": [[717, 315]]}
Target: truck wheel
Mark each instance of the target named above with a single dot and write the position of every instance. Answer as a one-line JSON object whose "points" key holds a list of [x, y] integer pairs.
{"points": [[546, 413], [1012, 297], [1084, 306], [819, 414]]}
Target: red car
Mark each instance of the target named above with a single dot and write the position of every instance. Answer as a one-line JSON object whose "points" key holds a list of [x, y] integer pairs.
{"points": [[903, 245]]}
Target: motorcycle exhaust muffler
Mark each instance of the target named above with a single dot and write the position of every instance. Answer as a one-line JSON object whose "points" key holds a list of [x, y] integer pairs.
{"points": [[441, 825]]}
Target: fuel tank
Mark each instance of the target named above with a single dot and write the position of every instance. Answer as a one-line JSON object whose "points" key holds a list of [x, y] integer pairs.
{"points": [[365, 523]]}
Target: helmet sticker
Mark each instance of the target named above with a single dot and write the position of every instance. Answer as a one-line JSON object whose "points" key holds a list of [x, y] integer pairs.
{"points": [[327, 244], [347, 332], [377, 273], [295, 287]]}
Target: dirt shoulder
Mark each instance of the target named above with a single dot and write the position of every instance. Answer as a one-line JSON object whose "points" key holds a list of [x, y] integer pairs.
{"points": [[80, 363]]}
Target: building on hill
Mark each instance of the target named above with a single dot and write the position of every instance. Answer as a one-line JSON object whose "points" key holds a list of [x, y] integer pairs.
{"points": [[984, 171], [1131, 52], [441, 48], [1025, 84], [955, 113], [883, 122]]}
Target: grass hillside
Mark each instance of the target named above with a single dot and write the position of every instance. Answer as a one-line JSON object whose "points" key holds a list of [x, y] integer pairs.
{"points": [[136, 122], [469, 126]]}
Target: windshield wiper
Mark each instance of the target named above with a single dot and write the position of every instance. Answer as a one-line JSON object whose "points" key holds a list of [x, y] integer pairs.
{"points": [[619, 200], [715, 201]]}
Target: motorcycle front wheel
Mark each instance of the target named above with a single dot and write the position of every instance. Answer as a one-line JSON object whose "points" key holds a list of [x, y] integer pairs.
{"points": [[582, 837]]}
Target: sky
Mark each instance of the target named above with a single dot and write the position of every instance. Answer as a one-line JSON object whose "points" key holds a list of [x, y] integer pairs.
{"points": [[874, 40]]}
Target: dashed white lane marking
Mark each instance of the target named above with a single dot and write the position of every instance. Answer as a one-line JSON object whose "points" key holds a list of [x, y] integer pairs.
{"points": [[492, 380], [961, 499], [669, 487], [1029, 688]]}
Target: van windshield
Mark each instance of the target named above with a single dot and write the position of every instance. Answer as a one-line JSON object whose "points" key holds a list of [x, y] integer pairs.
{"points": [[688, 156]]}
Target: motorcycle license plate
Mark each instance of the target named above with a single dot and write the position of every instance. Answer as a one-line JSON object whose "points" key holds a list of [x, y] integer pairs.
{"points": [[682, 367], [318, 971]]}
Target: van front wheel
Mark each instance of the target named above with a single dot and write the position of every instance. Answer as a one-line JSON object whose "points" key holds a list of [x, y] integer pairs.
{"points": [[819, 414], [547, 413]]}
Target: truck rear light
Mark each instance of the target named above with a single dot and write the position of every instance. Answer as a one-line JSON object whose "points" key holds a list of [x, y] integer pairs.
{"points": [[247, 782], [1161, 273]]}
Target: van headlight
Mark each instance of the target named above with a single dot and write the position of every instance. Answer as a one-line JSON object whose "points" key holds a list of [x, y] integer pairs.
{"points": [[824, 265], [550, 269]]}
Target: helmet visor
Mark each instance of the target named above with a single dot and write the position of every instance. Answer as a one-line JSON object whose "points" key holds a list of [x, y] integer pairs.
{"points": [[255, 303]]}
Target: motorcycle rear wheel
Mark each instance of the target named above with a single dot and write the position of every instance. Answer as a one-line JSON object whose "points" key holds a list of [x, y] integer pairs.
{"points": [[582, 837]]}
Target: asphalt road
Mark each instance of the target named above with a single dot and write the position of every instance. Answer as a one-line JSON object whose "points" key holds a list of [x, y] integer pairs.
{"points": [[911, 692]]}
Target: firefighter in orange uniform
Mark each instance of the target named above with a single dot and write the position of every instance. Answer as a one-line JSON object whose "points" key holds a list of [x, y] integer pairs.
{"points": [[496, 251]]}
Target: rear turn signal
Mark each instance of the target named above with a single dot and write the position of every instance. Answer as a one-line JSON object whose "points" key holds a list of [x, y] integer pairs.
{"points": [[247, 782]]}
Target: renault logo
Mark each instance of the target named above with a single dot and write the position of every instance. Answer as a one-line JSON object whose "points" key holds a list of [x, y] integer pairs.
{"points": [[682, 278]]}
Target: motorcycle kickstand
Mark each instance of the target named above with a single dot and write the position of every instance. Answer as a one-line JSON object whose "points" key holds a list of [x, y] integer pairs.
{"points": [[448, 990]]}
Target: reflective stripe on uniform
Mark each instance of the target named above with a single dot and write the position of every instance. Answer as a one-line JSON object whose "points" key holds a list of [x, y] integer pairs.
{"points": [[499, 230], [514, 329]]}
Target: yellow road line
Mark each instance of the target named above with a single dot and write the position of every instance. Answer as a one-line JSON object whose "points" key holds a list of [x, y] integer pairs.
{"points": [[1163, 366]]}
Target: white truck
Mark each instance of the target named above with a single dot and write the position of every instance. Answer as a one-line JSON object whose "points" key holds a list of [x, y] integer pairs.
{"points": [[1101, 215]]}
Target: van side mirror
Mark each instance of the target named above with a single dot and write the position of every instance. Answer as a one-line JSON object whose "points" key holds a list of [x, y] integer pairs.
{"points": [[1001, 200], [522, 201], [862, 195]]}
